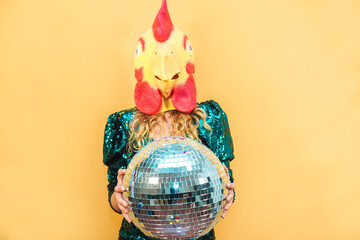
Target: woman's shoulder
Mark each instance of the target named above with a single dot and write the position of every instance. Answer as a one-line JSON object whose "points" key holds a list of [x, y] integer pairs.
{"points": [[211, 107], [116, 133], [125, 115]]}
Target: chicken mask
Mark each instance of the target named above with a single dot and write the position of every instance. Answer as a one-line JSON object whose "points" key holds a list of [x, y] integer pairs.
{"points": [[164, 68]]}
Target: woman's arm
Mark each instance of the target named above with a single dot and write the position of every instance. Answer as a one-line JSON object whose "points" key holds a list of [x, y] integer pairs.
{"points": [[219, 140], [117, 201], [116, 157]]}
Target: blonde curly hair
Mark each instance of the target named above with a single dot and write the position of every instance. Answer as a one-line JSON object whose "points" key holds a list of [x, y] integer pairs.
{"points": [[144, 126]]}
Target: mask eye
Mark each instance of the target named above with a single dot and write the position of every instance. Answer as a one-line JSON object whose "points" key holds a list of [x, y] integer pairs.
{"points": [[189, 47], [138, 51], [176, 76]]}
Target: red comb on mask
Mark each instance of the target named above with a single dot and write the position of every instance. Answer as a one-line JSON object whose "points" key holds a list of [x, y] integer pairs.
{"points": [[162, 26]]}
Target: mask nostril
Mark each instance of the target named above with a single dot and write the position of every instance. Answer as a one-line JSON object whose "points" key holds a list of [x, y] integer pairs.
{"points": [[176, 76], [157, 77]]}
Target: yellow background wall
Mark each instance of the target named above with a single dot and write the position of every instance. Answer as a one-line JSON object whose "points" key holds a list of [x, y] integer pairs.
{"points": [[286, 72]]}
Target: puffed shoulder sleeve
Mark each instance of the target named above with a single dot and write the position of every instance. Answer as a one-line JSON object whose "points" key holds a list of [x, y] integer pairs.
{"points": [[114, 138], [114, 149], [219, 139]]}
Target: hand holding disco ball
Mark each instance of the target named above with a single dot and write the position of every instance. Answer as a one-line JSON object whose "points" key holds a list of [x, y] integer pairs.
{"points": [[229, 199], [177, 189], [122, 204]]}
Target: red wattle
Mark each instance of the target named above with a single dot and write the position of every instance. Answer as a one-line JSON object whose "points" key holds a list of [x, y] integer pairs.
{"points": [[147, 98], [184, 96], [190, 68], [139, 74], [162, 26]]}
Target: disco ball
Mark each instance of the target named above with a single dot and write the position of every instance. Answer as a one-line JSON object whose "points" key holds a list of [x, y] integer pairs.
{"points": [[177, 187]]}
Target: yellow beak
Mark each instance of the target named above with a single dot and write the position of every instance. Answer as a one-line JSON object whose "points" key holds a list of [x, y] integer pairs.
{"points": [[165, 68]]}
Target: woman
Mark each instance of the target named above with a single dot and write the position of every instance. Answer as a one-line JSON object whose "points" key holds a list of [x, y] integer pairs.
{"points": [[165, 98]]}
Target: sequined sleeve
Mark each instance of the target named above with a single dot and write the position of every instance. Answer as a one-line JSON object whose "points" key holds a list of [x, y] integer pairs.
{"points": [[115, 154], [219, 140]]}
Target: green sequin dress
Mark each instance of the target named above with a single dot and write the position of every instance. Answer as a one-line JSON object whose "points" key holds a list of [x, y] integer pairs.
{"points": [[116, 155]]}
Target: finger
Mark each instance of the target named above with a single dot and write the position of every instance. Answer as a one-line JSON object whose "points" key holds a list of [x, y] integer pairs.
{"points": [[121, 174], [127, 201], [120, 200], [119, 181], [224, 213], [227, 172], [225, 168], [120, 188], [118, 197], [127, 217], [227, 206], [230, 186], [226, 209], [229, 201], [230, 196], [123, 210], [123, 203]]}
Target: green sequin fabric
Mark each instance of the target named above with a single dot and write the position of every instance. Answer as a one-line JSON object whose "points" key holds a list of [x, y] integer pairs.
{"points": [[116, 155]]}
